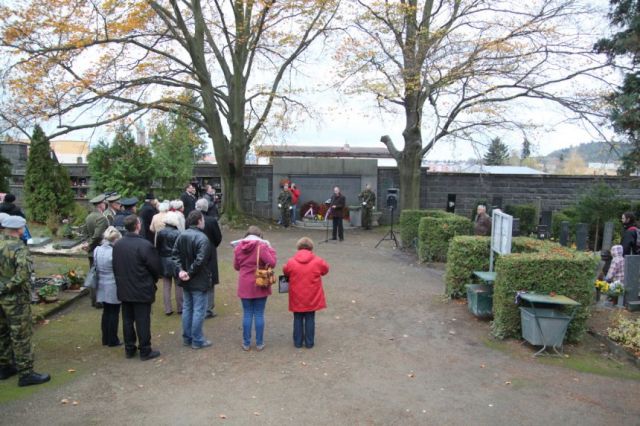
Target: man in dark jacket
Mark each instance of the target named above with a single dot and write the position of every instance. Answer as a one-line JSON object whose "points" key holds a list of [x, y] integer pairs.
{"points": [[136, 266], [212, 231], [7, 206], [629, 234], [147, 211], [191, 254], [482, 224], [188, 199], [212, 199], [129, 208], [338, 201]]}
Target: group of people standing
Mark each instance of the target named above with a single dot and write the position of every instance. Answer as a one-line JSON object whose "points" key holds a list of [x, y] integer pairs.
{"points": [[175, 240]]}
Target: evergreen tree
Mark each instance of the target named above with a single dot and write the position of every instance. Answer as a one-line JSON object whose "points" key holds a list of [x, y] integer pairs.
{"points": [[5, 174], [497, 154], [625, 102], [123, 166], [46, 184], [526, 149], [172, 157]]}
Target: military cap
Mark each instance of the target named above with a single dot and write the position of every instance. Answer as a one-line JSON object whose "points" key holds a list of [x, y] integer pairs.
{"points": [[98, 199], [129, 202], [114, 196], [149, 196], [13, 222]]}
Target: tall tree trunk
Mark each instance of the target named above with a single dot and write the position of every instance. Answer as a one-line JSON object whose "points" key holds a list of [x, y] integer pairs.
{"points": [[409, 169]]}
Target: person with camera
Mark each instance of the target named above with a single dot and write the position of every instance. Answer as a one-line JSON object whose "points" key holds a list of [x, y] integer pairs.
{"points": [[337, 203]]}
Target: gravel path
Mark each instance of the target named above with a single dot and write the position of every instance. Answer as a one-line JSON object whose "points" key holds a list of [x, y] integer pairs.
{"points": [[389, 350]]}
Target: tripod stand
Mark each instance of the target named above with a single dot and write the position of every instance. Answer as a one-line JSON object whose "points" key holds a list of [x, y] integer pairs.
{"points": [[390, 236], [326, 227]]}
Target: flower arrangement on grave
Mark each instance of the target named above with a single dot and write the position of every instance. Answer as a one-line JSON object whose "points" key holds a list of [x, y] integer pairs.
{"points": [[602, 286], [48, 293], [615, 289], [74, 278]]}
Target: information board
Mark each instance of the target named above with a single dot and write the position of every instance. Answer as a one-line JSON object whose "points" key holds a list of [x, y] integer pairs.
{"points": [[501, 228]]}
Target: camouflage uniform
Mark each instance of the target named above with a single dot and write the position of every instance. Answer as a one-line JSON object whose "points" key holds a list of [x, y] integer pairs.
{"points": [[284, 203], [16, 269], [368, 199]]}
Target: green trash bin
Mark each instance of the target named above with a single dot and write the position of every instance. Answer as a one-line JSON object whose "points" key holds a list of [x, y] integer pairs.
{"points": [[480, 300], [552, 329]]}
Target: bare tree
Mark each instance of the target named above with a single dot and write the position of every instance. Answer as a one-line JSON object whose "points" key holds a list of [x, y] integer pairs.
{"points": [[456, 67], [87, 63]]}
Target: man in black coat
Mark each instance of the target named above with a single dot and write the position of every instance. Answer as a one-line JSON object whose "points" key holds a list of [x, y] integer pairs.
{"points": [[212, 231], [191, 253], [188, 199], [147, 211], [338, 202], [136, 266]]}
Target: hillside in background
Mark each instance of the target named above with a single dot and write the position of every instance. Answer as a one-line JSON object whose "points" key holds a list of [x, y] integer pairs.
{"points": [[592, 152]]}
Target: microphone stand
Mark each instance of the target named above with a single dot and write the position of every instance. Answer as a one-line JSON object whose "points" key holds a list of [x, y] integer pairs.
{"points": [[326, 226]]}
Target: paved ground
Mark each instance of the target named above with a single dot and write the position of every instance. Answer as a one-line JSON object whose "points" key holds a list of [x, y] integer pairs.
{"points": [[388, 350]]}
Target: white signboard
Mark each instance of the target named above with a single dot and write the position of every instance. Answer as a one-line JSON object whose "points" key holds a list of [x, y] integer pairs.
{"points": [[501, 230]]}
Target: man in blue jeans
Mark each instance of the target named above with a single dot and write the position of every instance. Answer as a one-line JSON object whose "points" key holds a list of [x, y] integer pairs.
{"points": [[191, 253]]}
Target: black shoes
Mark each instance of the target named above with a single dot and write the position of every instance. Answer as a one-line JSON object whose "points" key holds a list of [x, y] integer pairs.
{"points": [[129, 354], [8, 371], [150, 355], [33, 379], [210, 314]]}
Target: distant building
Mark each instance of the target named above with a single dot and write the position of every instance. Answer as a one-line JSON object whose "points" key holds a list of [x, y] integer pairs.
{"points": [[70, 151]]}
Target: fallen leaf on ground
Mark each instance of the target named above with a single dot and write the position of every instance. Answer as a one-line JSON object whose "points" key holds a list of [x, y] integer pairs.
{"points": [[405, 335], [507, 383], [71, 370], [337, 317], [256, 413], [64, 401], [140, 386], [452, 332], [172, 332], [482, 366], [75, 403], [353, 301], [411, 375], [44, 322], [222, 416]]}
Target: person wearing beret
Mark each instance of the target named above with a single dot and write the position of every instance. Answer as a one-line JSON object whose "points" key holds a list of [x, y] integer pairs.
{"points": [[16, 331], [7, 206], [96, 223]]}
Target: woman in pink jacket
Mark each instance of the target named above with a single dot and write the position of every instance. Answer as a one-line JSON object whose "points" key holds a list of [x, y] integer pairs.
{"points": [[306, 296], [254, 298]]}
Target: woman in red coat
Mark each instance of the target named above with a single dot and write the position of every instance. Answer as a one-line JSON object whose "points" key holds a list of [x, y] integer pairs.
{"points": [[305, 271]]}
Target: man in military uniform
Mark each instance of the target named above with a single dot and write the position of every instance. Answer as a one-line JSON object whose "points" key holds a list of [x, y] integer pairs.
{"points": [[368, 199], [129, 205], [114, 207], [16, 270], [96, 223], [284, 204]]}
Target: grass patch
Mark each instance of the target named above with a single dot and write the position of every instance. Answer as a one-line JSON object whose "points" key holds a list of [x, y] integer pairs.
{"points": [[50, 265]]}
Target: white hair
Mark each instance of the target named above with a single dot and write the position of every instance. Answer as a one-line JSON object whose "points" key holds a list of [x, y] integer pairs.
{"points": [[172, 218], [112, 234], [177, 204], [202, 205], [163, 207]]}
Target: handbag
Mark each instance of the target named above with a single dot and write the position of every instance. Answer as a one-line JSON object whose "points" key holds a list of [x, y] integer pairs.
{"points": [[283, 284], [91, 280], [265, 277]]}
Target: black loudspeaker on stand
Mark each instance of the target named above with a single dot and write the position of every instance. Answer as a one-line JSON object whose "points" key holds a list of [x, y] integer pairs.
{"points": [[392, 204]]}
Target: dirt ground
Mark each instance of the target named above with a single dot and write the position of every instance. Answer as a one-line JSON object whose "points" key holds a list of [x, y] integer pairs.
{"points": [[389, 350]]}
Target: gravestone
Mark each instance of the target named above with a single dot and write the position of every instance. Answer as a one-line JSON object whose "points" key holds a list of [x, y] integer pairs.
{"points": [[582, 232], [68, 244], [607, 236], [631, 278], [546, 218], [564, 233], [515, 227], [38, 241]]}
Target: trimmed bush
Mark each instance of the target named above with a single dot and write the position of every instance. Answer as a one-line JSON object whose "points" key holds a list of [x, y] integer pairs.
{"points": [[434, 234], [465, 255], [553, 269], [527, 215], [410, 221]]}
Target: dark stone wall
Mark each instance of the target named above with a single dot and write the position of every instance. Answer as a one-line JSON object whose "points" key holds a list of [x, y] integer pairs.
{"points": [[550, 192]]}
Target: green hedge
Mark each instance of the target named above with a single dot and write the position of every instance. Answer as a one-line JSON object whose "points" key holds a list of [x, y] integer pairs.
{"points": [[465, 255], [554, 268], [527, 215], [434, 234], [557, 219], [410, 221]]}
